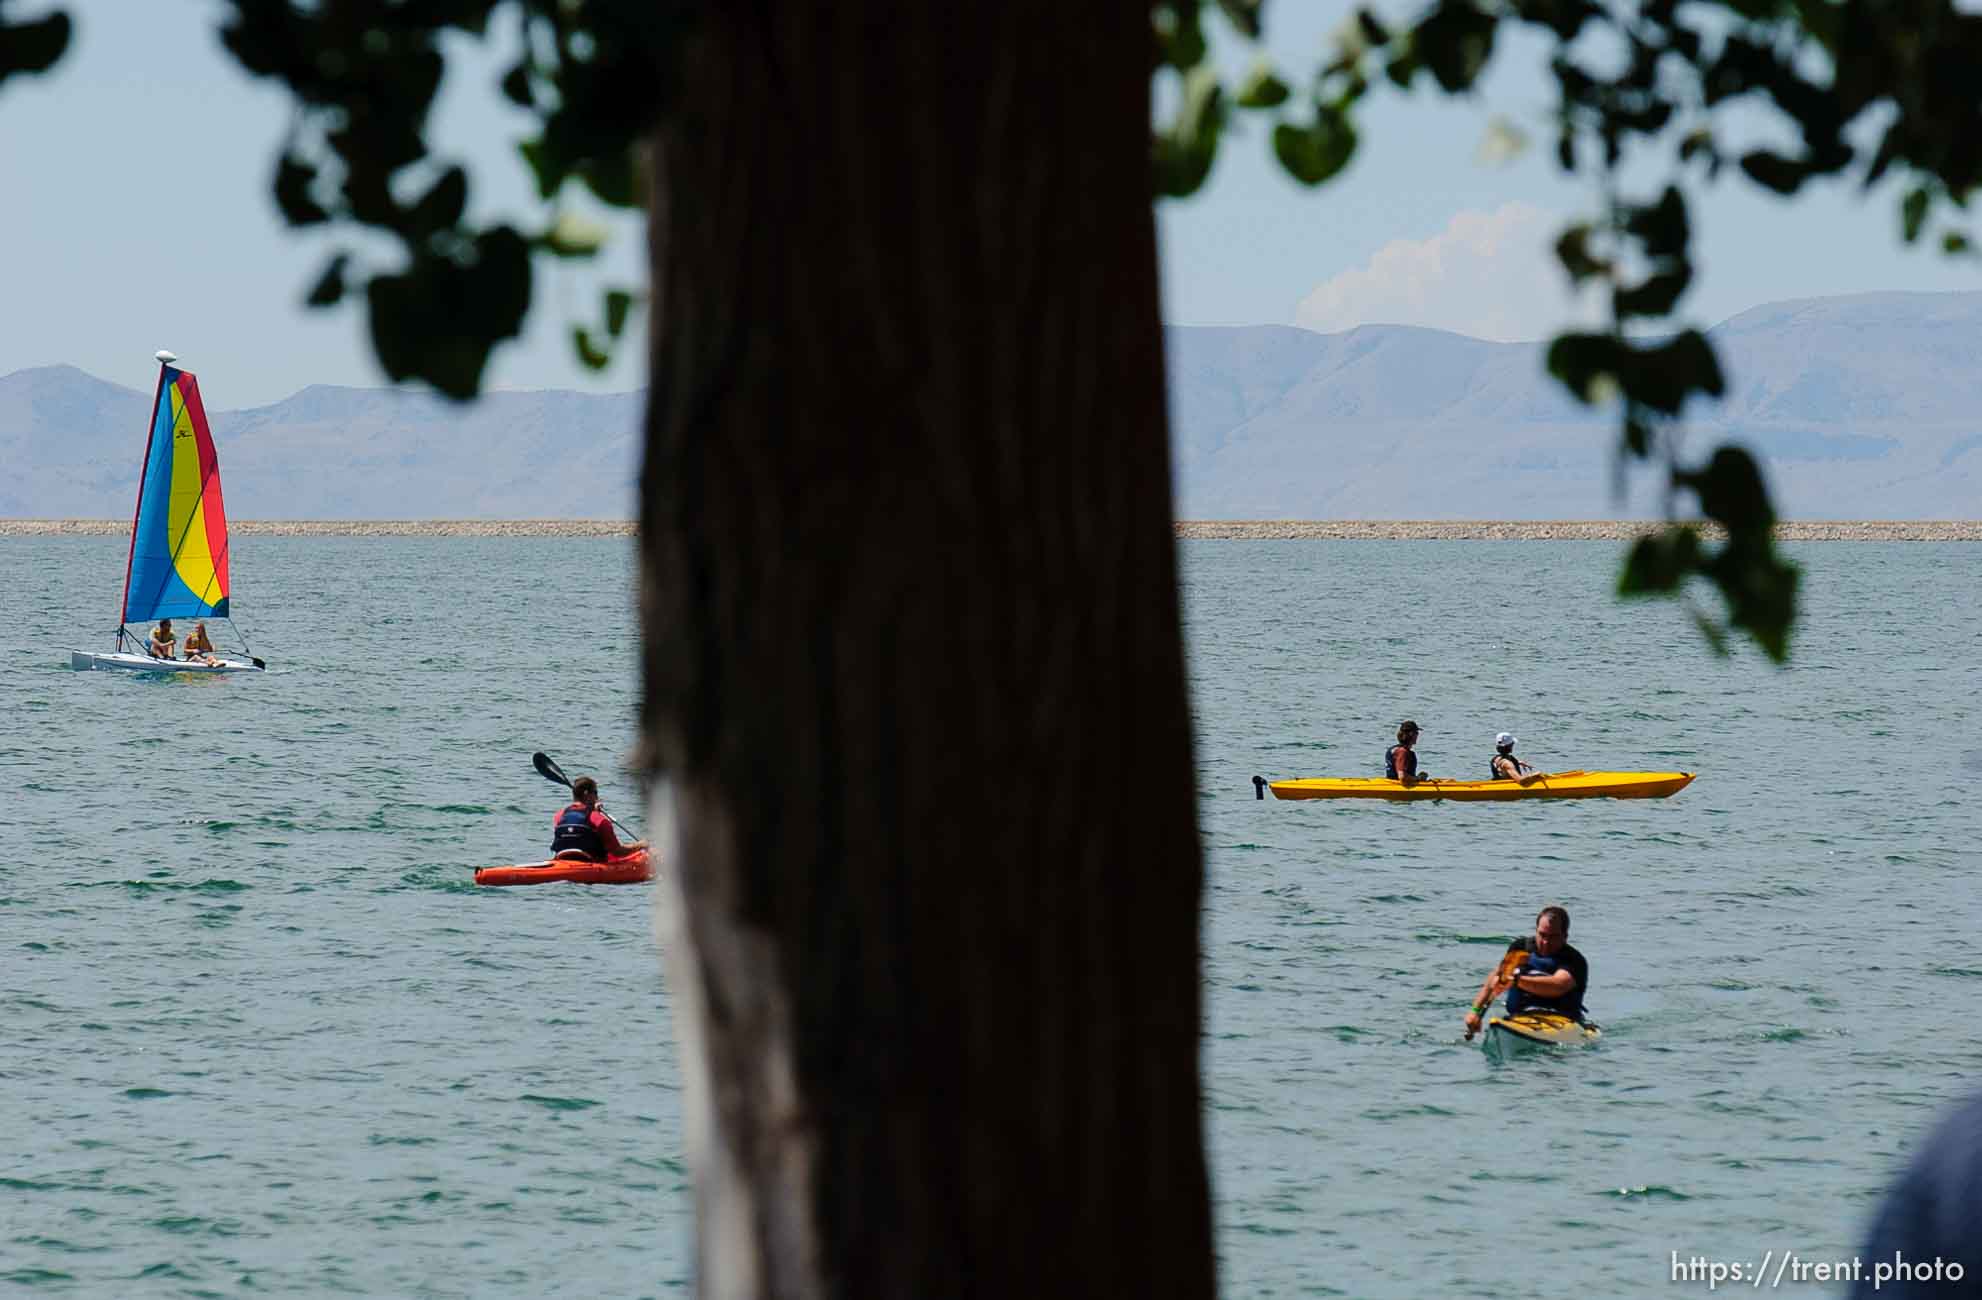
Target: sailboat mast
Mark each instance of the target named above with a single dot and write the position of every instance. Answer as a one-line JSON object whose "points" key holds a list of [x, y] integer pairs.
{"points": [[164, 359]]}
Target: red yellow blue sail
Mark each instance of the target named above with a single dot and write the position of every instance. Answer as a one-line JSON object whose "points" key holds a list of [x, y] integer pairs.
{"points": [[178, 562]]}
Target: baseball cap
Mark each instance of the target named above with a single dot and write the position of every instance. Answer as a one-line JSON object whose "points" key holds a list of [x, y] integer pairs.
{"points": [[1505, 740]]}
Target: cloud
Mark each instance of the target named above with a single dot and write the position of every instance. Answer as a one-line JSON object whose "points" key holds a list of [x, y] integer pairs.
{"points": [[1492, 275]]}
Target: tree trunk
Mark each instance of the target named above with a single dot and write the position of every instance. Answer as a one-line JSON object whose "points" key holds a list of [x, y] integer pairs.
{"points": [[914, 676]]}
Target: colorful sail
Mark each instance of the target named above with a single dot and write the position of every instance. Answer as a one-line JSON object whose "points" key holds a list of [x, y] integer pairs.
{"points": [[178, 563]]}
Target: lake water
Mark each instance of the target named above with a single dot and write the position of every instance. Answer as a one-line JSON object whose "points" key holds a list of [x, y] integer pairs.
{"points": [[267, 1038]]}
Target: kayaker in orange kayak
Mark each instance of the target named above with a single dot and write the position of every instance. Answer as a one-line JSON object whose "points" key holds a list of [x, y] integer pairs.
{"points": [[582, 829]]}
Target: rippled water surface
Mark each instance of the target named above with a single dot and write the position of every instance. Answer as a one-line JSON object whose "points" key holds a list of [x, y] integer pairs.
{"points": [[266, 1038]]}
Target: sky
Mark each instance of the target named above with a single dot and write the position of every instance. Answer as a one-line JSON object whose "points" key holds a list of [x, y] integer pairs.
{"points": [[137, 216]]}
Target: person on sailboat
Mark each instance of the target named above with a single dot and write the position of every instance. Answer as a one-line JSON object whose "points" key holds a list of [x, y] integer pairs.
{"points": [[199, 646], [582, 829], [163, 645]]}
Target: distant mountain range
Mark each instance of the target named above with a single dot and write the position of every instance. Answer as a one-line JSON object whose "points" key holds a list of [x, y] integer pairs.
{"points": [[1863, 407]]}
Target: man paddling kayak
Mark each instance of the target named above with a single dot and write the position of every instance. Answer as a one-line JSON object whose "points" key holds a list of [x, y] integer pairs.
{"points": [[1552, 976], [582, 829]]}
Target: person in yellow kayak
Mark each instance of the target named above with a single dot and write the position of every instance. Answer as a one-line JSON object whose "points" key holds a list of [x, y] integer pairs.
{"points": [[1505, 767], [1400, 761], [1551, 976]]}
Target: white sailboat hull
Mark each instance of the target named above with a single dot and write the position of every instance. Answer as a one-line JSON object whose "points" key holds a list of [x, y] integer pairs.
{"points": [[129, 663]]}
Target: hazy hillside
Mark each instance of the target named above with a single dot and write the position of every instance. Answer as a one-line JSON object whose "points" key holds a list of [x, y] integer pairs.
{"points": [[72, 446], [1863, 407]]}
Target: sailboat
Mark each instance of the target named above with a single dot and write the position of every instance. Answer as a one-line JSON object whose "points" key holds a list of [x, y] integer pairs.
{"points": [[177, 567]]}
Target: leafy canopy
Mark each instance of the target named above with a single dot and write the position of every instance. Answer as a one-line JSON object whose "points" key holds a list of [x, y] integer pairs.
{"points": [[1872, 88], [364, 74]]}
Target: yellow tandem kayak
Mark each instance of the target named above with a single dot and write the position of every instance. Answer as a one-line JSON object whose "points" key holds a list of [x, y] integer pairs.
{"points": [[1556, 785]]}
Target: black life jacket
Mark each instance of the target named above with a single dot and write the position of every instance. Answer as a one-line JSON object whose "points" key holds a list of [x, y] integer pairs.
{"points": [[1493, 773], [574, 832], [1390, 762], [1567, 1004]]}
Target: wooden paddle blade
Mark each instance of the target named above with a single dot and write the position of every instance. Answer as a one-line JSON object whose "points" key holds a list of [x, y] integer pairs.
{"points": [[1511, 960], [549, 770]]}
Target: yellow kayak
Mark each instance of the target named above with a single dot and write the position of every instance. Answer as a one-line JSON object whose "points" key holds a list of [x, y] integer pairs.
{"points": [[1505, 1033], [1555, 785]]}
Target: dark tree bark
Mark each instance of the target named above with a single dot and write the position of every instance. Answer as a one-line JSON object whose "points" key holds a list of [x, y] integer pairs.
{"points": [[914, 677]]}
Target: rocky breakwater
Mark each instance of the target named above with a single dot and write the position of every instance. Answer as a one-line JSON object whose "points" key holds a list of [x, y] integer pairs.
{"points": [[1366, 530], [345, 527], [1561, 530]]}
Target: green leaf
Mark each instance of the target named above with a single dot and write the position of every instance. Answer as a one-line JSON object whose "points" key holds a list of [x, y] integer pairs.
{"points": [[1778, 173], [438, 320], [618, 304], [35, 46], [1312, 154], [1913, 211], [1455, 42], [1654, 296], [1581, 361], [1563, 17], [293, 179], [1664, 376], [590, 355], [1658, 563], [1756, 583], [1573, 251], [516, 86], [1179, 34], [1759, 587], [612, 179], [1637, 434], [440, 208], [1261, 88], [1661, 227], [1243, 15], [1730, 490], [548, 165], [1405, 66], [329, 287], [1182, 154]]}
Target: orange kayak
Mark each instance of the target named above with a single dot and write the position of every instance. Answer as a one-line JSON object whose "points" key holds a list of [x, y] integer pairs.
{"points": [[628, 870]]}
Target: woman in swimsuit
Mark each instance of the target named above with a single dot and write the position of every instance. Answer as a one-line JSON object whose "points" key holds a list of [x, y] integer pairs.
{"points": [[199, 645]]}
